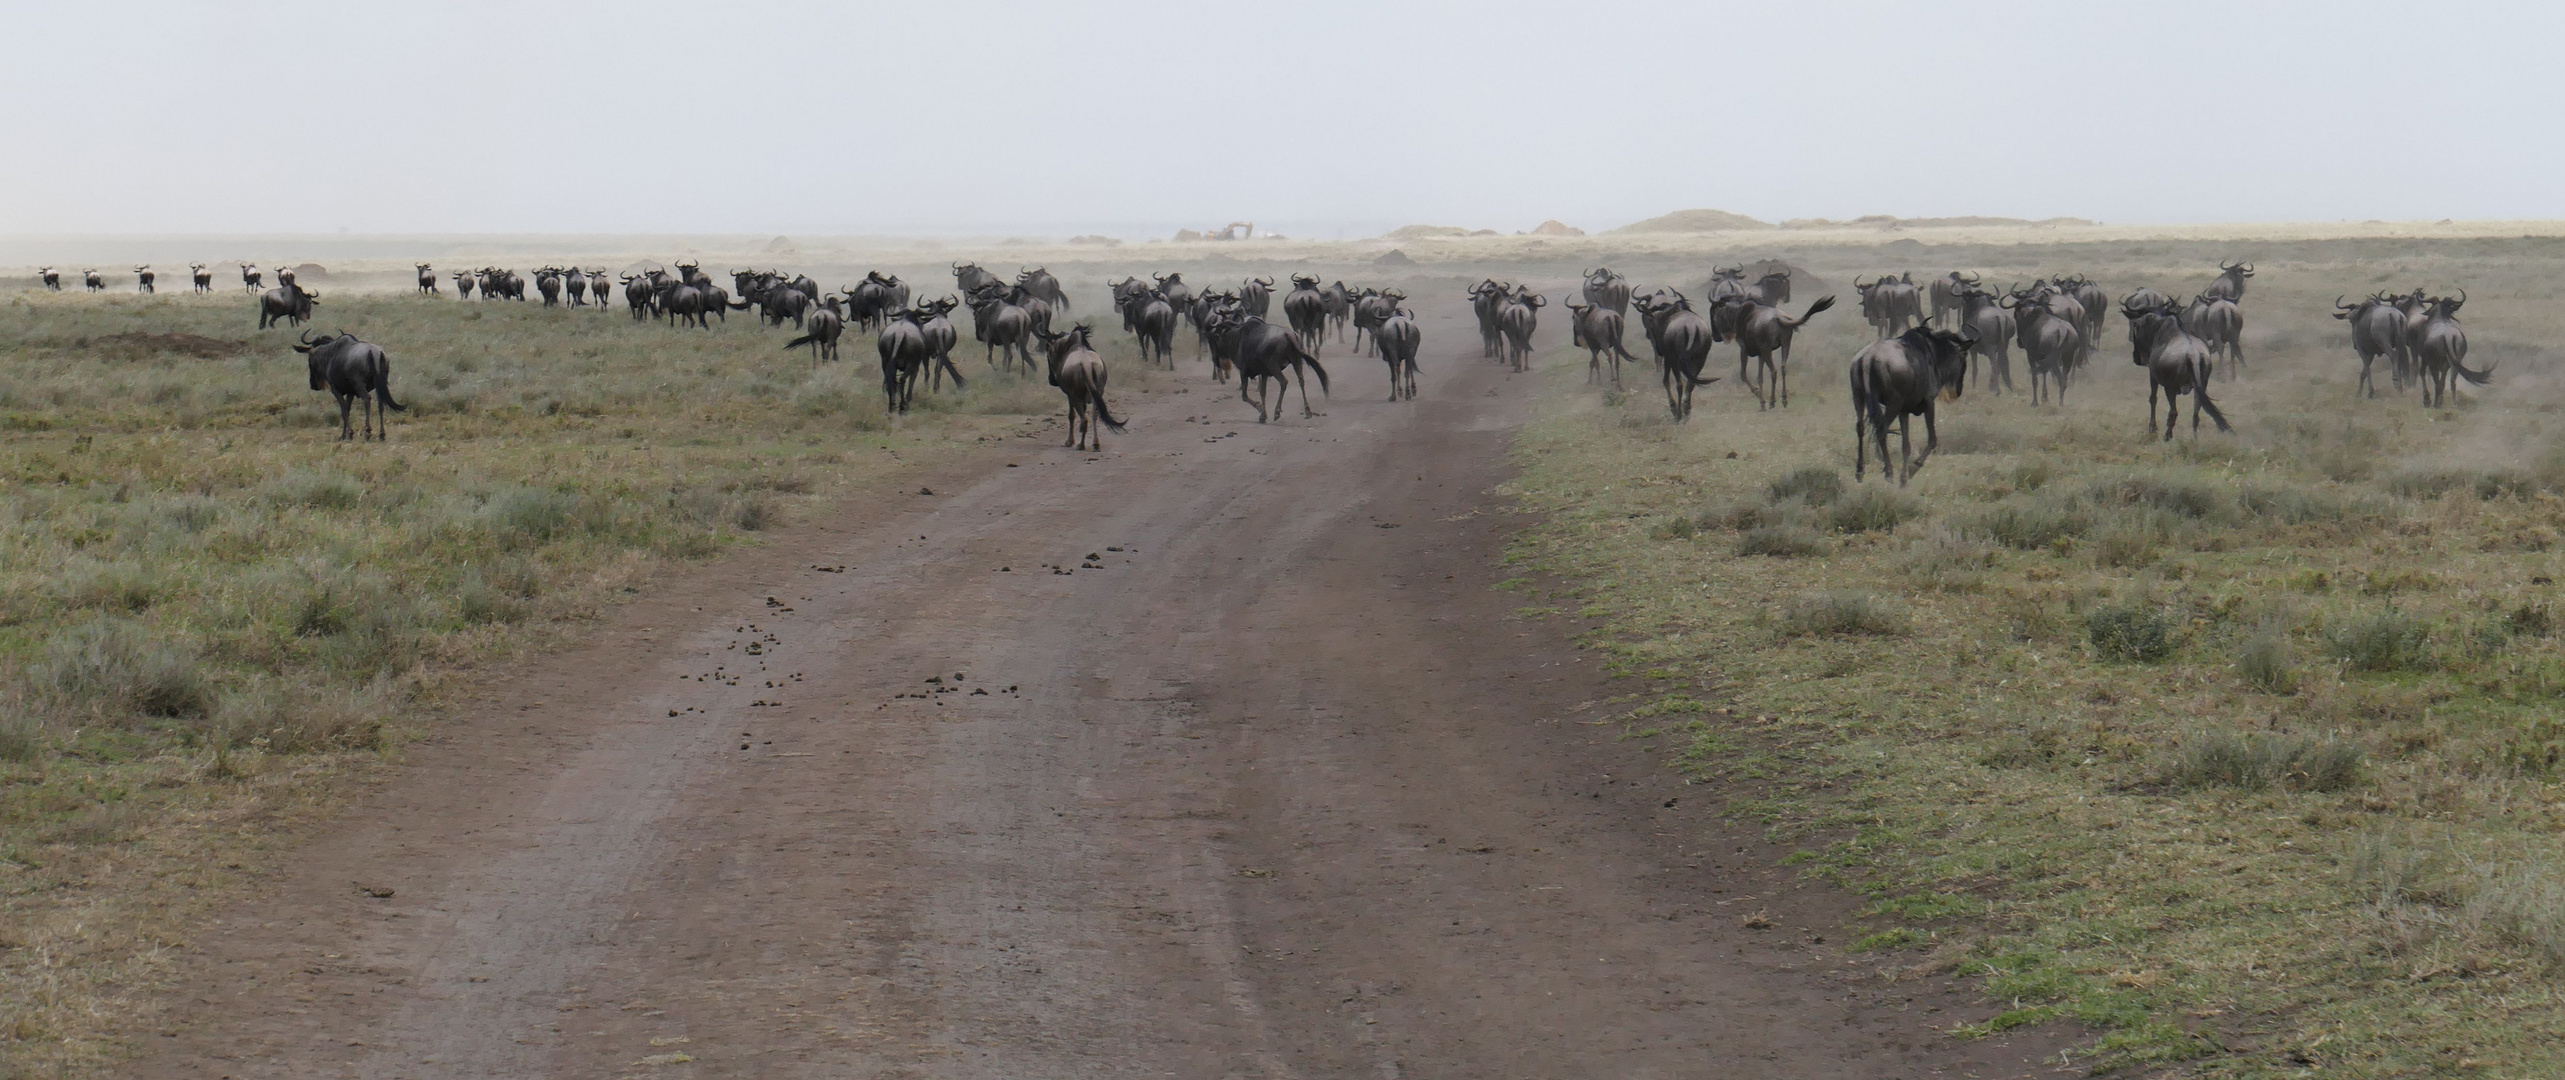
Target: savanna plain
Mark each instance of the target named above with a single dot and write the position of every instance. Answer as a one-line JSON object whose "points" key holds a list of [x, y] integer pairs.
{"points": [[2234, 755]]}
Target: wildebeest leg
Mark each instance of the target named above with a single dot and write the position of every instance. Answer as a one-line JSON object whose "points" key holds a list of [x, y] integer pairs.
{"points": [[1305, 411], [346, 430], [1861, 437], [1072, 440], [1781, 372], [1259, 400], [1932, 438], [1905, 449]]}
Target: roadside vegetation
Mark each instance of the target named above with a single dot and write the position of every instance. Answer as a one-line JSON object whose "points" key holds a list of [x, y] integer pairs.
{"points": [[2243, 752], [213, 614]]}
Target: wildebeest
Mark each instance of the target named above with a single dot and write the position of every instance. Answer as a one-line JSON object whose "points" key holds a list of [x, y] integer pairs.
{"points": [[1172, 288], [1256, 295], [1002, 327], [902, 344], [1080, 374], [2219, 322], [1398, 339], [2051, 343], [52, 280], [1764, 333], [250, 278], [2230, 282], [2377, 331], [1306, 310], [2440, 352], [1597, 330], [1369, 309], [1153, 319], [1943, 293], [1517, 318], [143, 277], [1990, 328], [1607, 290], [463, 280], [576, 284], [1264, 352], [597, 288], [680, 304], [202, 277], [638, 295], [427, 279], [821, 335], [1040, 283], [355, 373], [2176, 363], [1889, 304], [940, 339], [285, 276], [1037, 311], [287, 304], [92, 282], [1485, 298], [547, 281], [1900, 378], [1682, 338], [2095, 304], [1338, 299], [969, 278], [1773, 287]]}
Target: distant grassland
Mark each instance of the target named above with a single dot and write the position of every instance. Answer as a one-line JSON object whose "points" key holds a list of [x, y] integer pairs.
{"points": [[2244, 750], [211, 609]]}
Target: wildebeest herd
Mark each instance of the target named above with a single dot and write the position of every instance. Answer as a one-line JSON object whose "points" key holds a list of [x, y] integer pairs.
{"points": [[1933, 339]]}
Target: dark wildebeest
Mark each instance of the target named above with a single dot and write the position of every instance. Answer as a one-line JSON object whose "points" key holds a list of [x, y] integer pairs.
{"points": [[1339, 302], [1256, 295], [1773, 288], [2176, 363], [969, 278], [90, 280], [1124, 291], [576, 284], [1306, 310], [1398, 339], [1153, 318], [463, 280], [51, 278], [902, 343], [940, 339], [2220, 322], [1485, 298], [250, 278], [1682, 339], [1369, 309], [547, 281], [820, 333], [1037, 311], [1517, 318], [2440, 352], [287, 304], [2051, 344], [143, 278], [776, 303], [1177, 294], [1764, 333], [1200, 316], [427, 279], [1654, 306], [2096, 305], [1943, 293], [1002, 327], [638, 295], [1605, 289], [1079, 373], [1888, 305], [681, 304], [874, 299], [597, 288], [1901, 378], [355, 373], [1597, 330], [202, 278], [2377, 331], [1040, 283], [1991, 328], [2230, 282], [1264, 352]]}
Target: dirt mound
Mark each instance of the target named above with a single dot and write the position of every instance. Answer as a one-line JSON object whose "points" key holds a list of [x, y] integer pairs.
{"points": [[1693, 221], [1426, 232], [310, 272], [1555, 227], [1891, 221], [135, 343], [1394, 257]]}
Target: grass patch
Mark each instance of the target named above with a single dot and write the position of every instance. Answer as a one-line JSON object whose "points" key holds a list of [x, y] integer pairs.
{"points": [[2256, 762], [1841, 613], [2137, 635]]}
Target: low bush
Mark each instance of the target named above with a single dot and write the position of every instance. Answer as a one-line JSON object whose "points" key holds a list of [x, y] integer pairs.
{"points": [[113, 667], [2031, 524], [2131, 634], [1815, 485], [2256, 762], [2390, 640], [1840, 613], [1786, 542], [1872, 509], [2266, 663]]}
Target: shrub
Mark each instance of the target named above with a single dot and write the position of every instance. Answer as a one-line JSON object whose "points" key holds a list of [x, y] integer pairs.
{"points": [[21, 735], [1840, 613], [113, 665], [2031, 524], [1943, 551], [1675, 528], [1815, 485], [2188, 498], [2523, 903], [2133, 634], [2387, 641], [2256, 762], [2292, 506], [2129, 543], [320, 490], [2484, 484], [1784, 542], [1872, 509], [107, 586], [533, 513], [2266, 663]]}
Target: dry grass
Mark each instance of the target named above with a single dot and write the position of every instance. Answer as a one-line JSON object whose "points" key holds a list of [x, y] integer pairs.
{"points": [[2158, 703], [212, 612]]}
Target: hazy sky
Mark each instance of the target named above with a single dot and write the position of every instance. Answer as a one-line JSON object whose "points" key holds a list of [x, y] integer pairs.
{"points": [[1323, 118]]}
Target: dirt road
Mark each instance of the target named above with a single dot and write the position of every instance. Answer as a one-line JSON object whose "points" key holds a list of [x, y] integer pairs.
{"points": [[1213, 755]]}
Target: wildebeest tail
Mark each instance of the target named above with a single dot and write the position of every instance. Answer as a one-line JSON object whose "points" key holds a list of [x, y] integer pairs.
{"points": [[1104, 415], [2200, 393], [1312, 359], [2473, 376], [1823, 302], [798, 342], [383, 387]]}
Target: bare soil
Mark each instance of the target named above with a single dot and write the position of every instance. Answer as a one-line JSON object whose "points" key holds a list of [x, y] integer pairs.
{"points": [[1237, 766]]}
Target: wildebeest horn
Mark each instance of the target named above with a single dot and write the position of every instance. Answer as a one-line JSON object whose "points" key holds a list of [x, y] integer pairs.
{"points": [[305, 337], [2338, 305], [2462, 296]]}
